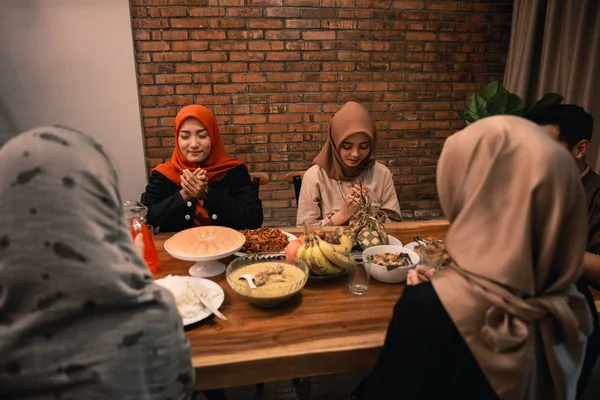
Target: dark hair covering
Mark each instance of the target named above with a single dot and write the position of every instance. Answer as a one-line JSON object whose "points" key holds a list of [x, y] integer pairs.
{"points": [[573, 122]]}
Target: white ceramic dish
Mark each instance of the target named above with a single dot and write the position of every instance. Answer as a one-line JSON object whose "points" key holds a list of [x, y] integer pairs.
{"points": [[208, 265], [394, 241], [199, 285], [397, 275], [290, 237]]}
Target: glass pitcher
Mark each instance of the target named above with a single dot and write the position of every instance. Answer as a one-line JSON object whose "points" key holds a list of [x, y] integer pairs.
{"points": [[135, 213]]}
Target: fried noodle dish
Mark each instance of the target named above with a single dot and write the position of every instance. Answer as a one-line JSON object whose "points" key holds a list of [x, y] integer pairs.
{"points": [[264, 240]]}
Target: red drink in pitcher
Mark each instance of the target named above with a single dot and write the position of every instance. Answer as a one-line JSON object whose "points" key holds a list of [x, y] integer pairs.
{"points": [[135, 213]]}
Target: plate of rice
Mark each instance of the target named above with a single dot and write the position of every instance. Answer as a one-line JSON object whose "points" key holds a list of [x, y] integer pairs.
{"points": [[189, 307]]}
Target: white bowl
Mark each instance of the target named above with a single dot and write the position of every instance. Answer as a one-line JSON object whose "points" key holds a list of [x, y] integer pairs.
{"points": [[397, 275]]}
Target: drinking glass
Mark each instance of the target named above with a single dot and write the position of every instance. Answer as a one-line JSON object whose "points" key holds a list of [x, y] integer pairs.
{"points": [[359, 275], [312, 225]]}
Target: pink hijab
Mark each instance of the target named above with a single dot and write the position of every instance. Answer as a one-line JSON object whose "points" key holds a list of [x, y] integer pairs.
{"points": [[517, 237], [350, 119]]}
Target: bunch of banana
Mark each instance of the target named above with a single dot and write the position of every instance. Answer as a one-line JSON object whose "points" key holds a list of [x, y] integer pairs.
{"points": [[324, 258]]}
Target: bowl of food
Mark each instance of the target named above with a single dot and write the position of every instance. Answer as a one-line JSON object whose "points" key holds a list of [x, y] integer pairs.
{"points": [[390, 264], [266, 280]]}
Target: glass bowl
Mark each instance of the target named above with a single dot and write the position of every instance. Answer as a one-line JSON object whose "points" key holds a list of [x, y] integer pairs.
{"points": [[277, 296]]}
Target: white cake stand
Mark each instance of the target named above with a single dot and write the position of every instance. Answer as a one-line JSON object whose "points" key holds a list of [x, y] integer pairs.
{"points": [[206, 266]]}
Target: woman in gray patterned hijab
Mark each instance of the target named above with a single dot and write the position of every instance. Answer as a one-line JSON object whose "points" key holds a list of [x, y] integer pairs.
{"points": [[80, 317]]}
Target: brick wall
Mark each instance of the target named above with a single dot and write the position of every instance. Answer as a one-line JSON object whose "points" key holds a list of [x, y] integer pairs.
{"points": [[275, 71]]}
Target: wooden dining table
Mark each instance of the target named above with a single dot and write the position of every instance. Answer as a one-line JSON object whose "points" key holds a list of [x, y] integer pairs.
{"points": [[324, 330]]}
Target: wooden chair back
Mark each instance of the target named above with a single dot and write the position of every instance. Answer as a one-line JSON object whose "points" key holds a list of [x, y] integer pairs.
{"points": [[295, 178], [259, 179]]}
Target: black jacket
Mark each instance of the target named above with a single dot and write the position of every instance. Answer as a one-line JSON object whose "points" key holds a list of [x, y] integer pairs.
{"points": [[232, 202]]}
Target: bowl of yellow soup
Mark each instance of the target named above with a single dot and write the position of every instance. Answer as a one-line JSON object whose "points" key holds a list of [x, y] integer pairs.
{"points": [[277, 279]]}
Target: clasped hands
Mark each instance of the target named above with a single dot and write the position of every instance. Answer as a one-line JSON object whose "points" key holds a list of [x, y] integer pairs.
{"points": [[193, 184]]}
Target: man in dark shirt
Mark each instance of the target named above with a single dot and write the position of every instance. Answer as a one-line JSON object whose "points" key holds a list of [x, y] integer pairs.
{"points": [[571, 126]]}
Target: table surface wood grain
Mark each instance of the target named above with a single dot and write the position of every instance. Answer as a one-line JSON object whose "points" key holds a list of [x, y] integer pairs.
{"points": [[324, 330]]}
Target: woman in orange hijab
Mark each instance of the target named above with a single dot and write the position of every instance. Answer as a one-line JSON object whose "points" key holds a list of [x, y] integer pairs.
{"points": [[201, 185]]}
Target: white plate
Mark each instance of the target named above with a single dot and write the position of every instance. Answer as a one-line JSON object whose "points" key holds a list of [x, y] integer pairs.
{"points": [[201, 284], [395, 242], [290, 237]]}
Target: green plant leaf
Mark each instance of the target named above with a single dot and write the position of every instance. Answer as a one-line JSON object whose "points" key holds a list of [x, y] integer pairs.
{"points": [[475, 109], [514, 105], [497, 105], [461, 114], [549, 100], [491, 90]]}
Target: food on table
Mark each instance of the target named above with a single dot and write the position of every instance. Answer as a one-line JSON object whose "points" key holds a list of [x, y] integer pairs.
{"points": [[432, 252], [365, 226], [205, 241], [271, 278], [188, 304], [292, 249], [323, 253], [264, 240], [389, 259]]}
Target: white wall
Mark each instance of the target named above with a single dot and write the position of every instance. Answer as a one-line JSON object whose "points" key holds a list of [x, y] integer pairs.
{"points": [[71, 62]]}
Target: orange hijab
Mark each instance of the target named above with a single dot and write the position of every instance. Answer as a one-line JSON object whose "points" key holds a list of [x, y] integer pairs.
{"points": [[217, 165]]}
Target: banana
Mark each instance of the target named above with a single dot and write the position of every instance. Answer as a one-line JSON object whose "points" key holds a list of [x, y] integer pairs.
{"points": [[345, 246], [301, 252], [322, 262], [338, 259], [308, 258]]}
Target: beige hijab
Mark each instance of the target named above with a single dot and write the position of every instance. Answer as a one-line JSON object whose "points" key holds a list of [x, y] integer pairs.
{"points": [[517, 237], [350, 119]]}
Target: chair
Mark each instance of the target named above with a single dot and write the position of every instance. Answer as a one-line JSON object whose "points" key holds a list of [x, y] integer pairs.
{"points": [[259, 179], [295, 178]]}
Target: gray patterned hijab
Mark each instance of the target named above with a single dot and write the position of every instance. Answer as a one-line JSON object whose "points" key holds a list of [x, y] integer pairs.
{"points": [[79, 314]]}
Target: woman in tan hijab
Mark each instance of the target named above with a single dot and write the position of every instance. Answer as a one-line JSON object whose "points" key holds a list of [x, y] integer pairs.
{"points": [[504, 320], [330, 187]]}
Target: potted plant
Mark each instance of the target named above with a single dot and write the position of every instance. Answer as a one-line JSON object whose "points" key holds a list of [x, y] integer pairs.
{"points": [[494, 99]]}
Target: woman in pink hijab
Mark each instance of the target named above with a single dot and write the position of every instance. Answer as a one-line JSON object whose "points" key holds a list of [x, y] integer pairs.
{"points": [[504, 320]]}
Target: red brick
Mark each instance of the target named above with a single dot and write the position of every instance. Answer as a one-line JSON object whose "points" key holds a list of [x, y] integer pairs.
{"points": [[207, 35], [209, 56], [152, 46], [268, 66], [267, 3], [179, 78], [318, 35], [338, 3], [249, 119], [141, 35], [174, 35], [228, 46], [267, 87], [282, 12], [409, 5], [174, 100], [190, 46], [265, 46], [319, 55], [207, 12], [244, 35], [282, 35], [247, 78], [193, 89], [302, 24], [265, 24], [189, 23], [283, 56], [212, 99], [246, 56], [231, 88], [183, 67], [245, 12], [170, 57], [155, 90], [302, 3]]}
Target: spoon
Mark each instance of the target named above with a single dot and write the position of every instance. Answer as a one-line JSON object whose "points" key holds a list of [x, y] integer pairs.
{"points": [[250, 279]]}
